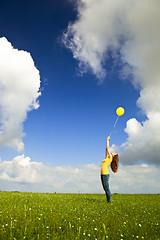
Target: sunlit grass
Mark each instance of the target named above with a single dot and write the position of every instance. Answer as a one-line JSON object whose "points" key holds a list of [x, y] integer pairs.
{"points": [[78, 216]]}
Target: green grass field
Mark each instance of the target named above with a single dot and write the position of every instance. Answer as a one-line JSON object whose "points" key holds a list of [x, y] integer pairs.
{"points": [[78, 216]]}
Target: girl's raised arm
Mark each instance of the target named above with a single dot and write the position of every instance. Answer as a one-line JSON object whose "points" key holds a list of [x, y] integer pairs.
{"points": [[108, 153]]}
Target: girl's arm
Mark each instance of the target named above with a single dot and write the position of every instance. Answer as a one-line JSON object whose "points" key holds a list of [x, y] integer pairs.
{"points": [[108, 153]]}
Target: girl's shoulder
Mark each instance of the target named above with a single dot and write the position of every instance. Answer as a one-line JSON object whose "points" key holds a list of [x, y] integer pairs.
{"points": [[107, 159]]}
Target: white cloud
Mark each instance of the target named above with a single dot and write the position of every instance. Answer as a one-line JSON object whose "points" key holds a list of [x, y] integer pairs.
{"points": [[143, 143], [128, 29], [19, 90], [22, 174], [96, 31]]}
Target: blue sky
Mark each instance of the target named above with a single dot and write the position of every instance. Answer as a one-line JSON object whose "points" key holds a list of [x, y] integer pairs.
{"points": [[76, 113]]}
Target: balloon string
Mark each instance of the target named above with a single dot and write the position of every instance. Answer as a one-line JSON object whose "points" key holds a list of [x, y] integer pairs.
{"points": [[114, 125], [116, 122]]}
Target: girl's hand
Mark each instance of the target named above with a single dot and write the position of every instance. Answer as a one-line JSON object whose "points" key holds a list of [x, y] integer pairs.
{"points": [[108, 138]]}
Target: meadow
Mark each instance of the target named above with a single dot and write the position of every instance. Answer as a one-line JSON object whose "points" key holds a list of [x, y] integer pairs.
{"points": [[78, 216]]}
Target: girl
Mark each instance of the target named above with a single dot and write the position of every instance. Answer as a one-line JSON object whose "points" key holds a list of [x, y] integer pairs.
{"points": [[105, 172]]}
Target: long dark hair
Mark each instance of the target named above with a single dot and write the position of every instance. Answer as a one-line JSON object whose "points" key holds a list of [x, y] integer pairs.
{"points": [[114, 163]]}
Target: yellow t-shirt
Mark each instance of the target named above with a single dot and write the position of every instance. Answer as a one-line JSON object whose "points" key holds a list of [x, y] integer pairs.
{"points": [[105, 164]]}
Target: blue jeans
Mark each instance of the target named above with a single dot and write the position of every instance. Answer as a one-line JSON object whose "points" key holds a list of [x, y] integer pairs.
{"points": [[105, 184]]}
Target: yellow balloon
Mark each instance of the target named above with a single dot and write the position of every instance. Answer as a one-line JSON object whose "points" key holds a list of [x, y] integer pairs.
{"points": [[120, 111]]}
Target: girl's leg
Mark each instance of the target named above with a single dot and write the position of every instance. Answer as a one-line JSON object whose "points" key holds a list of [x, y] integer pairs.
{"points": [[105, 184]]}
